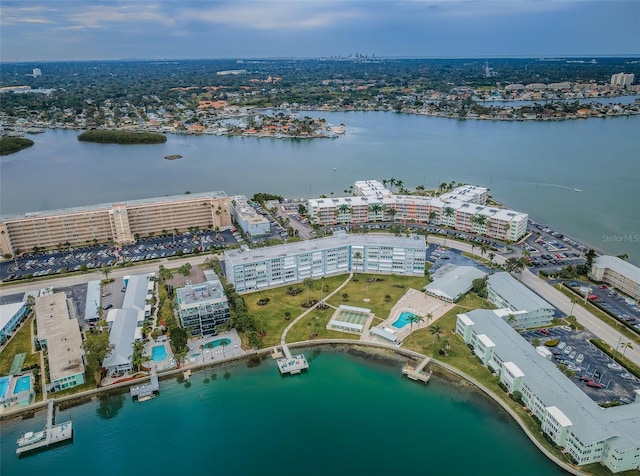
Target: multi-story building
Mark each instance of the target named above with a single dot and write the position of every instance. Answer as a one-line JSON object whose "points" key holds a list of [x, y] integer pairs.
{"points": [[617, 273], [247, 218], [622, 79], [202, 307], [11, 315], [527, 309], [118, 223], [59, 333], [464, 209], [589, 433], [250, 270]]}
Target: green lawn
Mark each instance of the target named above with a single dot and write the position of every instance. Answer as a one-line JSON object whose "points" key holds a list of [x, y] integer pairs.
{"points": [[317, 321], [20, 342]]}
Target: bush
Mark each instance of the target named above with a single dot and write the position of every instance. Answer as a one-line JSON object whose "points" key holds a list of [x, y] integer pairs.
{"points": [[263, 302], [552, 343]]}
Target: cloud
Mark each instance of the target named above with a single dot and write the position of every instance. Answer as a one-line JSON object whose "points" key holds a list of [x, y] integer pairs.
{"points": [[98, 16]]}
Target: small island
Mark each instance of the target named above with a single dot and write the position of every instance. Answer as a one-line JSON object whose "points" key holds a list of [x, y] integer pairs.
{"points": [[10, 145], [122, 137]]}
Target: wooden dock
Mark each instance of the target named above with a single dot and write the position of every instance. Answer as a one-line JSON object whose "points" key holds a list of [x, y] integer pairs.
{"points": [[417, 373], [146, 391], [291, 364], [51, 435]]}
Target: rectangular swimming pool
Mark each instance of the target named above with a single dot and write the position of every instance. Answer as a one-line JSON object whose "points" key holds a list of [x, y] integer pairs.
{"points": [[22, 384], [158, 353]]}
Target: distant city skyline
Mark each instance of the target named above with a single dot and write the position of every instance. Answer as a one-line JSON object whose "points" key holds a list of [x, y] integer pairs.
{"points": [[39, 30]]}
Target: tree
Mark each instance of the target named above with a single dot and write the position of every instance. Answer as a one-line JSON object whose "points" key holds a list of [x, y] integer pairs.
{"points": [[96, 348], [106, 272], [589, 256], [223, 344], [436, 331], [185, 269], [432, 215], [345, 297], [357, 257], [413, 319], [448, 211], [307, 283], [625, 346], [210, 262], [387, 298]]}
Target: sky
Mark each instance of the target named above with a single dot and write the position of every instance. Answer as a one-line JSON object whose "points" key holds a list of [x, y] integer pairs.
{"points": [[52, 30]]}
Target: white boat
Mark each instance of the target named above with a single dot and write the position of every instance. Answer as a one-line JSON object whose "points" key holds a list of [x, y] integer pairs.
{"points": [[333, 168], [577, 189], [31, 437]]}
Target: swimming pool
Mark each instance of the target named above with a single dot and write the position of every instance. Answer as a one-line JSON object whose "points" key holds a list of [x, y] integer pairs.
{"points": [[158, 353], [4, 386], [402, 320], [216, 343], [23, 383]]}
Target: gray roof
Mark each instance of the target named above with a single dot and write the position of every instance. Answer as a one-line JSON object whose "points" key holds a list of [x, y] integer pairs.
{"points": [[200, 293], [591, 423], [136, 293], [122, 337], [240, 256], [518, 296], [618, 265], [458, 280], [92, 302]]}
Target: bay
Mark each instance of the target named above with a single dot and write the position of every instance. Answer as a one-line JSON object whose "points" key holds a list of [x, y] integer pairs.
{"points": [[348, 415], [530, 166]]}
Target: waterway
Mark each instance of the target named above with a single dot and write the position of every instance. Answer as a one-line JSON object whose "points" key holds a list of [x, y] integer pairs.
{"points": [[531, 166], [346, 416]]}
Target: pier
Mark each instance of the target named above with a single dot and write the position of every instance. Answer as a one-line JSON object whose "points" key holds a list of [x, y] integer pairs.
{"points": [[418, 373], [146, 391], [291, 364], [51, 435]]}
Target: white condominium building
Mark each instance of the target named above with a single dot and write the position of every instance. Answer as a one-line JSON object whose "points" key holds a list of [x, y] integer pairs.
{"points": [[617, 273], [622, 79], [250, 270], [589, 433], [247, 218]]}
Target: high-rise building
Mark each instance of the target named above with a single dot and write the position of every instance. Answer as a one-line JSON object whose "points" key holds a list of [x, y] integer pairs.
{"points": [[622, 79]]}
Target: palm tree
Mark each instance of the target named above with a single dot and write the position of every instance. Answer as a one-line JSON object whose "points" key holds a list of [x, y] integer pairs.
{"points": [[491, 256], [165, 274], [448, 211], [375, 209], [357, 256], [443, 186], [429, 316], [223, 344], [625, 346], [400, 184], [413, 318], [391, 212], [436, 331], [307, 283], [387, 298], [432, 215], [345, 297], [106, 272]]}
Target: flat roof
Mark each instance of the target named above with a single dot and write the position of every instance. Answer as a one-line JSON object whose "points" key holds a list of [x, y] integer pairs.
{"points": [[7, 311], [456, 281], [517, 295], [64, 342], [240, 256], [618, 265], [202, 293]]}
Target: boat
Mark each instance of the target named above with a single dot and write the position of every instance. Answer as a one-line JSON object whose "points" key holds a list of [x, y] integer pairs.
{"points": [[31, 437], [333, 168], [577, 190], [173, 157]]}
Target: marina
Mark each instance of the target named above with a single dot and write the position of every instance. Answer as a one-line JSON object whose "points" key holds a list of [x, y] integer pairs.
{"points": [[51, 435]]}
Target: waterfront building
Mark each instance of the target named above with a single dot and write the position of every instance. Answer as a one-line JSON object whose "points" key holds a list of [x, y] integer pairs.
{"points": [[617, 273], [119, 223], [527, 308], [464, 208], [202, 307], [568, 416], [450, 283], [139, 292], [11, 315], [125, 329], [59, 333], [250, 270], [247, 218], [622, 79]]}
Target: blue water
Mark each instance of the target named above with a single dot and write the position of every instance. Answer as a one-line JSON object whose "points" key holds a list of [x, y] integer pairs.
{"points": [[402, 320], [158, 353], [216, 343], [4, 386], [23, 383]]}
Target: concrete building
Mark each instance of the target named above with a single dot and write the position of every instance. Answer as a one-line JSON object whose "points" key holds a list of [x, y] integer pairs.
{"points": [[527, 308], [125, 329], [589, 433], [463, 209], [453, 282], [60, 335], [622, 79], [118, 223], [617, 273], [92, 301], [247, 218], [11, 315], [202, 307], [250, 270]]}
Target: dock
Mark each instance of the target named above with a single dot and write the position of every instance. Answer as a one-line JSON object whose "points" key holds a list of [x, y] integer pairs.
{"points": [[291, 364], [51, 435], [417, 373], [146, 391]]}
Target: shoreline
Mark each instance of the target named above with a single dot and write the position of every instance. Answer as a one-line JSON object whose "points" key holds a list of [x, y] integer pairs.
{"points": [[367, 350]]}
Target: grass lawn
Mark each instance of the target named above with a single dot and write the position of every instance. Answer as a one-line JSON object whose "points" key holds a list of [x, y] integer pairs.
{"points": [[393, 285], [20, 342], [317, 321], [271, 317]]}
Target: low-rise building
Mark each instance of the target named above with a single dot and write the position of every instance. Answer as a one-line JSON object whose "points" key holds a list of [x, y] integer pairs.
{"points": [[527, 309], [247, 218], [125, 329], [453, 282], [202, 307], [570, 418], [250, 270], [60, 334], [11, 315], [617, 273]]}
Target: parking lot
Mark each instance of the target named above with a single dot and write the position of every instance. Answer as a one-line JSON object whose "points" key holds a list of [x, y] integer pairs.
{"points": [[592, 368], [441, 255]]}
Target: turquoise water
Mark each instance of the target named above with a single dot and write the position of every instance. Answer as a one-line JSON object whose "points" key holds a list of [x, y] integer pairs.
{"points": [[216, 343], [158, 353], [23, 383], [403, 320], [4, 386], [338, 419]]}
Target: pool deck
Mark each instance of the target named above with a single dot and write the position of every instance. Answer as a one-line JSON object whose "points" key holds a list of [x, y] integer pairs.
{"points": [[198, 354]]}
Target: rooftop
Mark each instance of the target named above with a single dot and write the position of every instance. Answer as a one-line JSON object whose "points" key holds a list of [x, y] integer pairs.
{"points": [[618, 265], [194, 294], [454, 281], [518, 296], [122, 337]]}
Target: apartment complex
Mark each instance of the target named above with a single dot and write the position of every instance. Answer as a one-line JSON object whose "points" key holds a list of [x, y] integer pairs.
{"points": [[202, 307], [527, 308], [250, 270], [622, 79], [451, 282], [617, 273], [247, 218], [464, 209], [118, 223], [589, 433], [59, 333]]}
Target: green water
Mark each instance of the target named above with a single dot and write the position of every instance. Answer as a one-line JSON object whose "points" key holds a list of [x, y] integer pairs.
{"points": [[346, 416]]}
